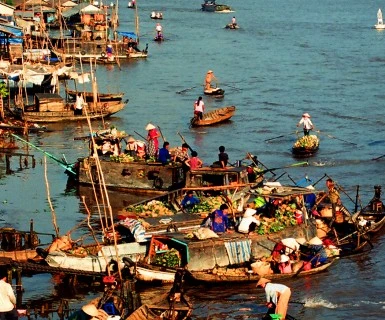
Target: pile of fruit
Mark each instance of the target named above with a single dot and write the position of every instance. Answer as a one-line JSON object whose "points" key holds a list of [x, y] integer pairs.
{"points": [[122, 158], [208, 204], [170, 259], [230, 271], [284, 217], [309, 142], [153, 209]]}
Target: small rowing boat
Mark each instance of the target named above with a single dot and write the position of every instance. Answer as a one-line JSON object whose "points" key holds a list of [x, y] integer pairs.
{"points": [[213, 117], [231, 26], [89, 96], [217, 92], [244, 275], [306, 146]]}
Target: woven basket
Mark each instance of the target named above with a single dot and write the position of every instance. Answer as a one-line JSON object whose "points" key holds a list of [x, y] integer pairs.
{"points": [[260, 267]]}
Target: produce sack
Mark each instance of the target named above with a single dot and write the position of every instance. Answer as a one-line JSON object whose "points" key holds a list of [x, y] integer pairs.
{"points": [[205, 233]]}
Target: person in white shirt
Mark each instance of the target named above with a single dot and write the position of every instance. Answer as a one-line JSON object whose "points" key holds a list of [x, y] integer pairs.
{"points": [[233, 21], [158, 29], [199, 108], [307, 124], [7, 299], [249, 222], [79, 104]]}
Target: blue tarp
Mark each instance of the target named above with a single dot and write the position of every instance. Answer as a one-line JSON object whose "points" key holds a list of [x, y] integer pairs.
{"points": [[127, 34], [15, 31]]}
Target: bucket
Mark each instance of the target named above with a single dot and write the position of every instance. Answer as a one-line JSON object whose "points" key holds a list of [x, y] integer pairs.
{"points": [[275, 316]]}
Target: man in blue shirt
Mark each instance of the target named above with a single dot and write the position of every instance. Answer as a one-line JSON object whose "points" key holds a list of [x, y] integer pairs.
{"points": [[219, 219], [189, 201], [164, 154]]}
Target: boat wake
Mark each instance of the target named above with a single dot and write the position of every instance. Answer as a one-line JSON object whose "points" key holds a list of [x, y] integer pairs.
{"points": [[318, 302]]}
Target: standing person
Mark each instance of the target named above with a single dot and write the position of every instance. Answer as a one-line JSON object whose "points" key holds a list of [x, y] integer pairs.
{"points": [[307, 124], [7, 299], [152, 140], [194, 162], [158, 30], [109, 52], [234, 22], [334, 197], [79, 104], [199, 108], [223, 157], [164, 154], [209, 77], [277, 296], [219, 219]]}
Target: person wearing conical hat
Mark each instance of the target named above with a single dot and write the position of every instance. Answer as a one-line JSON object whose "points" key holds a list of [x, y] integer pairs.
{"points": [[249, 222], [284, 265], [307, 124], [87, 312], [152, 141], [209, 77], [277, 296]]}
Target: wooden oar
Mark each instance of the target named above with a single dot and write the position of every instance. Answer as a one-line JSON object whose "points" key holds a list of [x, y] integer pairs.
{"points": [[303, 265], [333, 137], [183, 91], [281, 136], [160, 131], [379, 157], [145, 139], [184, 141]]}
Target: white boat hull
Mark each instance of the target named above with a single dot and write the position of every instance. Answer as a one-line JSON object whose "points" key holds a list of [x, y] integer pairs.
{"points": [[95, 263], [149, 275]]}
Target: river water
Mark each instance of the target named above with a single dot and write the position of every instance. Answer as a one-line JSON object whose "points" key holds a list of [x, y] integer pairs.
{"points": [[320, 57]]}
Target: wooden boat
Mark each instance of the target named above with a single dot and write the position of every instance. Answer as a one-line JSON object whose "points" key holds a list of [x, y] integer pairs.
{"points": [[50, 107], [150, 274], [380, 22], [306, 146], [157, 16], [217, 92], [131, 4], [211, 6], [173, 305], [89, 97], [92, 258], [18, 245], [231, 26], [159, 38], [242, 275], [213, 117]]}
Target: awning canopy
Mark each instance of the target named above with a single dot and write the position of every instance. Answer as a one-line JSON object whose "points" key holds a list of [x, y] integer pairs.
{"points": [[127, 34]]}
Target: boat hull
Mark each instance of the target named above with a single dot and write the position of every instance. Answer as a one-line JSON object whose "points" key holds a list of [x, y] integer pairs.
{"points": [[102, 97], [218, 92], [61, 116], [214, 117], [251, 277], [303, 152], [150, 275]]}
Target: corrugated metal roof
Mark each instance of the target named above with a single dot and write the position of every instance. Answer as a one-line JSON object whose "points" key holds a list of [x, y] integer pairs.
{"points": [[82, 8]]}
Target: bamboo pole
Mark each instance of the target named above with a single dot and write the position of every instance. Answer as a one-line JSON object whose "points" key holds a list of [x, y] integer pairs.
{"points": [[49, 199]]}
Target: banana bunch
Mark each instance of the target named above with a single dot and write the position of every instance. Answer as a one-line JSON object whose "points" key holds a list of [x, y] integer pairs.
{"points": [[153, 209], [208, 204], [122, 158], [310, 142]]}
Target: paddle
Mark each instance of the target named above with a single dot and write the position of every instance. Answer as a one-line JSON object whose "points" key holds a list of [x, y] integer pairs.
{"points": [[379, 157], [235, 88], [184, 141], [145, 139], [303, 265], [303, 163], [281, 136], [185, 90], [333, 137], [160, 131]]}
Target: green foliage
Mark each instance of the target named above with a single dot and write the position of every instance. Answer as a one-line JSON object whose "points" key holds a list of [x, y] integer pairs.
{"points": [[3, 90]]}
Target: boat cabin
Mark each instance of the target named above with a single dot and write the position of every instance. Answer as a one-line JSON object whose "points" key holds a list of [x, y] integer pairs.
{"points": [[214, 177], [46, 102]]}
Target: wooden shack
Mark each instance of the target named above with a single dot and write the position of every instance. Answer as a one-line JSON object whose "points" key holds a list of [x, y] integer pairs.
{"points": [[49, 102]]}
